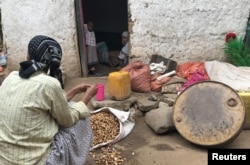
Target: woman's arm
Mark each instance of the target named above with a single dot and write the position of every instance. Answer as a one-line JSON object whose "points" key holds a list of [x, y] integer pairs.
{"points": [[65, 114]]}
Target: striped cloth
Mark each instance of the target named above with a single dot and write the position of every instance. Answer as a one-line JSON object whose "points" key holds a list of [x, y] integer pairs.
{"points": [[89, 36], [91, 47], [31, 111]]}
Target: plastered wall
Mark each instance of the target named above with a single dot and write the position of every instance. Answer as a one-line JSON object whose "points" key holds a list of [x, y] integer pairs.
{"points": [[183, 30], [24, 19]]}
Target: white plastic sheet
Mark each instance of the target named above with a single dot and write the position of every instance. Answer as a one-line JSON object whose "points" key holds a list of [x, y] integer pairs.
{"points": [[237, 78]]}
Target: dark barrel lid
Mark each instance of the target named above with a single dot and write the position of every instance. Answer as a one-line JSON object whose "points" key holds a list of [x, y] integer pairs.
{"points": [[209, 113]]}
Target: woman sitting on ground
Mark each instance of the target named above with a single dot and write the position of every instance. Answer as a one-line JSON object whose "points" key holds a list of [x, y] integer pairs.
{"points": [[38, 124]]}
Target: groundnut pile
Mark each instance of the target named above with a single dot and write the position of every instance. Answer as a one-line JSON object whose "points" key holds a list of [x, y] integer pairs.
{"points": [[108, 156], [105, 127]]}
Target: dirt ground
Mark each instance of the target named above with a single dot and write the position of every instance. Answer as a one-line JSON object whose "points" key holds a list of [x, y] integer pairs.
{"points": [[143, 147]]}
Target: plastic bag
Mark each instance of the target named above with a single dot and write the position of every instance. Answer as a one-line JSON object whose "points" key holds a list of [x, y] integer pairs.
{"points": [[126, 122], [187, 70], [235, 77]]}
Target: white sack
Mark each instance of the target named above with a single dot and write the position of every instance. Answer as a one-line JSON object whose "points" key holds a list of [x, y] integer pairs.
{"points": [[126, 125], [237, 78]]}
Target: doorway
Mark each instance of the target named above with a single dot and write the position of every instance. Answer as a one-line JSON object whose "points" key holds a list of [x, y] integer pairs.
{"points": [[110, 18]]}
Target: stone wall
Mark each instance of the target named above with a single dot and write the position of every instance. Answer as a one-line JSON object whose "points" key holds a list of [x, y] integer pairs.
{"points": [[24, 19], [183, 30]]}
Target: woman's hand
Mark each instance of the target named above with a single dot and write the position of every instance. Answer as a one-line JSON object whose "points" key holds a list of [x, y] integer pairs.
{"points": [[81, 88], [90, 92], [77, 90]]}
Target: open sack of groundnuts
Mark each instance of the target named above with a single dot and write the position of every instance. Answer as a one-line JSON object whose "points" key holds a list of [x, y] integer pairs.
{"points": [[109, 126]]}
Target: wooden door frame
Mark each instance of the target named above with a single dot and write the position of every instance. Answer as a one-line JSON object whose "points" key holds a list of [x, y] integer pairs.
{"points": [[80, 38]]}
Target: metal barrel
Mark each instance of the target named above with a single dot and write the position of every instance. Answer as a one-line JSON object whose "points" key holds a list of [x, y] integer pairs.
{"points": [[209, 114]]}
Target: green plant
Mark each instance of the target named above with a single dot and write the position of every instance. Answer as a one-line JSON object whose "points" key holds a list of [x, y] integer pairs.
{"points": [[237, 52]]}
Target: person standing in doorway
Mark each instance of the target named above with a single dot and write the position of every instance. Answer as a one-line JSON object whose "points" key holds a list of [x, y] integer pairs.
{"points": [[92, 58], [123, 56]]}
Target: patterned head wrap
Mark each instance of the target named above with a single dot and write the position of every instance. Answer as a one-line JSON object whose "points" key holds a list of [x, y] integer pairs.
{"points": [[45, 54]]}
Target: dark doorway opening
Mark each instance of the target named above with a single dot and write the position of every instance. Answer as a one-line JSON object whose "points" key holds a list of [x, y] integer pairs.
{"points": [[110, 18]]}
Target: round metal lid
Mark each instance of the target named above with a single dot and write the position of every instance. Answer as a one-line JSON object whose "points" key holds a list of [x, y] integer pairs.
{"points": [[209, 113]]}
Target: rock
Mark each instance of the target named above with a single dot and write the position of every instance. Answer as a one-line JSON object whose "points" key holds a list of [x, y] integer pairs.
{"points": [[169, 99], [160, 119], [121, 105], [171, 96], [153, 98], [146, 105], [135, 113]]}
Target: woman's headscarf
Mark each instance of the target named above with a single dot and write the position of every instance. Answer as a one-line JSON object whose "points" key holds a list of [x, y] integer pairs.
{"points": [[45, 54]]}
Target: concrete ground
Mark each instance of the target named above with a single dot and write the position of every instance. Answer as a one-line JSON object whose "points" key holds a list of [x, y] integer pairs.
{"points": [[144, 147]]}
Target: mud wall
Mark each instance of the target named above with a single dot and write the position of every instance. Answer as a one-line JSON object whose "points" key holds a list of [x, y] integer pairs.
{"points": [[184, 30]]}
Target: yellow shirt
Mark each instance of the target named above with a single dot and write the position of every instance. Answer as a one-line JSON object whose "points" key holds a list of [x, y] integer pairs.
{"points": [[30, 112]]}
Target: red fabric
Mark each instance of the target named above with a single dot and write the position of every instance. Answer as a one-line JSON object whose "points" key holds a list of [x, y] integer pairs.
{"points": [[196, 77], [192, 71], [186, 70]]}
